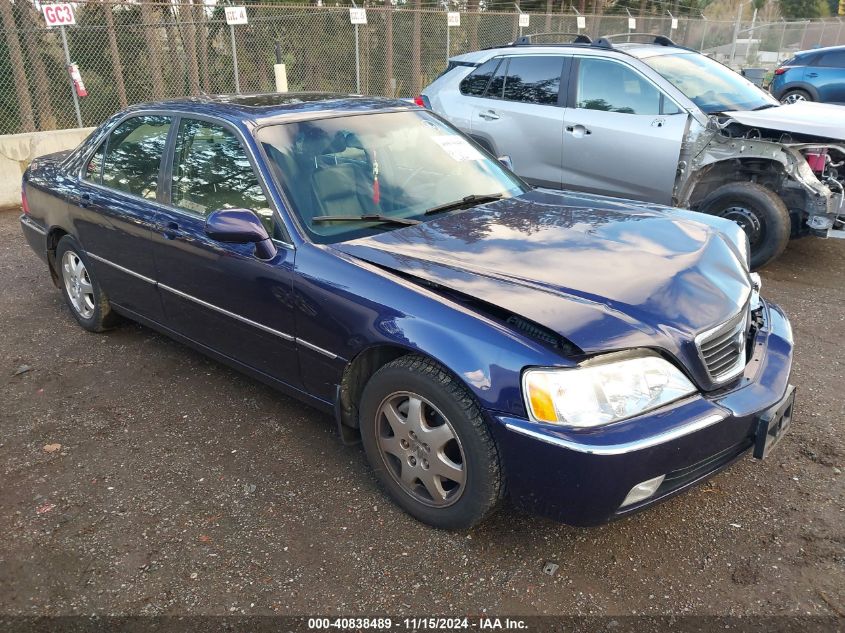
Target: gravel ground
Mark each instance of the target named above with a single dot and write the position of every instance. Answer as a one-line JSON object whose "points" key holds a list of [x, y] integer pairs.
{"points": [[182, 487]]}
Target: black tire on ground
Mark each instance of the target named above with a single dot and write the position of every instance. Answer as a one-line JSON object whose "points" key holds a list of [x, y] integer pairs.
{"points": [[443, 397], [101, 316], [791, 96], [759, 211]]}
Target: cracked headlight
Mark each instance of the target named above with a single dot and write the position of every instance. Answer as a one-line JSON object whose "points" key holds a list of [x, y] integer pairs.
{"points": [[602, 390]]}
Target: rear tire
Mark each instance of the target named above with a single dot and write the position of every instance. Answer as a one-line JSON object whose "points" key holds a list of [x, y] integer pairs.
{"points": [[82, 292], [795, 96], [428, 444], [761, 214]]}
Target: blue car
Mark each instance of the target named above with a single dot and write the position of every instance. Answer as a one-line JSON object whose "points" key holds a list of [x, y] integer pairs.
{"points": [[585, 356], [814, 75]]}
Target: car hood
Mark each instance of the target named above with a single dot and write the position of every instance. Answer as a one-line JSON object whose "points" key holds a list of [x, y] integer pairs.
{"points": [[605, 274], [804, 117]]}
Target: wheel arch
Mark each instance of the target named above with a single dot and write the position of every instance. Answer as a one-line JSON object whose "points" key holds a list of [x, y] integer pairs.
{"points": [[54, 235], [799, 85], [365, 364], [765, 171]]}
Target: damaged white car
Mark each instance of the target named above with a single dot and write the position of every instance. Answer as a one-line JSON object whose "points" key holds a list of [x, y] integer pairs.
{"points": [[654, 122]]}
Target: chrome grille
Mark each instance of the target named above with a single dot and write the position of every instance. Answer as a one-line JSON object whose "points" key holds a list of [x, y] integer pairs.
{"points": [[722, 349]]}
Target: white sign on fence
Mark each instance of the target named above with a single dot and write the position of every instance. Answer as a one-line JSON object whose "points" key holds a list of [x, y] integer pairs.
{"points": [[58, 14], [453, 18], [581, 22], [524, 19], [674, 23], [235, 15], [632, 24], [357, 16]]}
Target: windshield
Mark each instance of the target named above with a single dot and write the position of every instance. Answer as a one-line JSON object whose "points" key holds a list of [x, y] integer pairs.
{"points": [[386, 166], [712, 86]]}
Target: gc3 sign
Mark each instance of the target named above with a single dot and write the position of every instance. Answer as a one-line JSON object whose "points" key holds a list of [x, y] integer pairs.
{"points": [[58, 14]]}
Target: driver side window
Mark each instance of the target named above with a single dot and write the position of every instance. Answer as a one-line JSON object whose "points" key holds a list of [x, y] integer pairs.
{"points": [[607, 85], [211, 171]]}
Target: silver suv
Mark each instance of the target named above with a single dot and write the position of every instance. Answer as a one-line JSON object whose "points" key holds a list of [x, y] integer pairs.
{"points": [[654, 122]]}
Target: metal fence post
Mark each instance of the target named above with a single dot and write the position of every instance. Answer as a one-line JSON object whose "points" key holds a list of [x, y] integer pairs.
{"points": [[703, 32], [357, 57], [67, 68], [448, 35], [357, 63], [235, 59], [737, 24]]}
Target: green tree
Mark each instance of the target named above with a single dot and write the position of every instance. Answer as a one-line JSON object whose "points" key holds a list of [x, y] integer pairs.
{"points": [[803, 9]]}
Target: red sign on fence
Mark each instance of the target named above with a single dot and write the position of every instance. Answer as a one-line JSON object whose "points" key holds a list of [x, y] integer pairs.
{"points": [[58, 14]]}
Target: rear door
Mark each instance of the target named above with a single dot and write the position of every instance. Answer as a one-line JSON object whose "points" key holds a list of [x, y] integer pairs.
{"points": [[827, 74], [622, 134], [520, 114], [217, 294], [115, 203]]}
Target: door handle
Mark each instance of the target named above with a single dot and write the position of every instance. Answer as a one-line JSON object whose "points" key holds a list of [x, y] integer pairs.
{"points": [[171, 231], [489, 115], [578, 131], [812, 74]]}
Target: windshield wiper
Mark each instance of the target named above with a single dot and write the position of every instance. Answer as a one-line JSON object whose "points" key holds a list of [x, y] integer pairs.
{"points": [[386, 219], [765, 106], [463, 202]]}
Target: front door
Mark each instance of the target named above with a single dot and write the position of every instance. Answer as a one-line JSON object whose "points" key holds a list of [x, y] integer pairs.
{"points": [[520, 116], [217, 294], [622, 135]]}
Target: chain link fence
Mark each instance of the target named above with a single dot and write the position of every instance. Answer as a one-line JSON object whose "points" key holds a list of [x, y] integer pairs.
{"points": [[132, 52]]}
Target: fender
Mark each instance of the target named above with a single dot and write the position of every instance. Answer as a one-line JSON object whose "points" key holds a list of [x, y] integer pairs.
{"points": [[485, 354]]}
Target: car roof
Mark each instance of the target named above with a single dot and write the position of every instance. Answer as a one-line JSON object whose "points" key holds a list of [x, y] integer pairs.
{"points": [[635, 49], [821, 49], [290, 106]]}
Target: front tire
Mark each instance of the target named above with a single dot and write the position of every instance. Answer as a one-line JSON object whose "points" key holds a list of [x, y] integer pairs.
{"points": [[761, 214], [428, 445], [80, 288]]}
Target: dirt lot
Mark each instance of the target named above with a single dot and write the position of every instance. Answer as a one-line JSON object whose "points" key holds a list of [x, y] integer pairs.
{"points": [[182, 487]]}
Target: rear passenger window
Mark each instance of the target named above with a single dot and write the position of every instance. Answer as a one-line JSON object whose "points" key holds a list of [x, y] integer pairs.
{"points": [[476, 82], [211, 171], [613, 87], [533, 79], [94, 169], [133, 155], [832, 59]]}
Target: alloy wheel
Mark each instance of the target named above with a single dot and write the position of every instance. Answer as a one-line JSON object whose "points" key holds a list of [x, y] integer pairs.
{"points": [[420, 449], [78, 285], [795, 97]]}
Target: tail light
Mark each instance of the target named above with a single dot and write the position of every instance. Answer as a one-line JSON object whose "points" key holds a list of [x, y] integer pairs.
{"points": [[24, 203], [816, 159], [781, 70], [422, 101]]}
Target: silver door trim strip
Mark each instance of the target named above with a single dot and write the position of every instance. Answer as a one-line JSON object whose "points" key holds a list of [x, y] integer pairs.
{"points": [[319, 350], [211, 306], [628, 447], [225, 312], [122, 269]]}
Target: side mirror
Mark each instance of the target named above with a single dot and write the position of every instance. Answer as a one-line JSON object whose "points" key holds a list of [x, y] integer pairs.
{"points": [[506, 161], [240, 226]]}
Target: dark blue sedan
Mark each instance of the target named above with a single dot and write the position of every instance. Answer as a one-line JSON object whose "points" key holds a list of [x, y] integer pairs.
{"points": [[584, 355]]}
